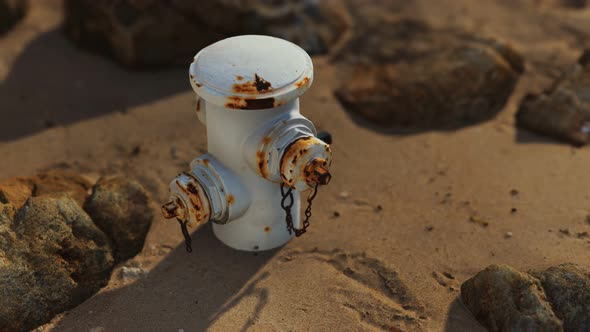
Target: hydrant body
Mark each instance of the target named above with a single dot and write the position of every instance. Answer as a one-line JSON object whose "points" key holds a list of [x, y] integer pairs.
{"points": [[247, 96]]}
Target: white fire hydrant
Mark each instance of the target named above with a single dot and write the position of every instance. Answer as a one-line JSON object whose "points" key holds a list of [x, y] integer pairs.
{"points": [[261, 149]]}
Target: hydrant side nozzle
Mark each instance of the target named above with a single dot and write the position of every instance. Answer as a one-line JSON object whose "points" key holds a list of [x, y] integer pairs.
{"points": [[316, 172], [171, 210], [306, 162], [188, 201]]}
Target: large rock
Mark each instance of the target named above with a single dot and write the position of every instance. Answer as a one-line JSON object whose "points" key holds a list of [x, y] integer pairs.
{"points": [[410, 74], [405, 73], [556, 299], [120, 208], [11, 11], [563, 111], [504, 299], [55, 183], [52, 257], [154, 33], [568, 289]]}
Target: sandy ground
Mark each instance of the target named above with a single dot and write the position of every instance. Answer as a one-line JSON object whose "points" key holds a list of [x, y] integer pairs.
{"points": [[61, 107]]}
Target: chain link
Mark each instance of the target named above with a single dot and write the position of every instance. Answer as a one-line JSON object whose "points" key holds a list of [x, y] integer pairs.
{"points": [[288, 194], [187, 237]]}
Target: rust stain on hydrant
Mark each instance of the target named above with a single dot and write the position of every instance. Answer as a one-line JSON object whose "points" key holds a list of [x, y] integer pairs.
{"points": [[303, 82], [316, 172], [259, 85], [236, 102], [230, 199], [262, 162]]}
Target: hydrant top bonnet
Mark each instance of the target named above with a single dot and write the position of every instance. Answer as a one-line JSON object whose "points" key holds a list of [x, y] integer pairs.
{"points": [[251, 72]]}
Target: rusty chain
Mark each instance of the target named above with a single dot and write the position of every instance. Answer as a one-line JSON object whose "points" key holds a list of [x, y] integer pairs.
{"points": [[287, 207], [187, 237]]}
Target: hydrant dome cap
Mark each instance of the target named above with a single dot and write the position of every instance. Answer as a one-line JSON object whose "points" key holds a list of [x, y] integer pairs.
{"points": [[251, 72]]}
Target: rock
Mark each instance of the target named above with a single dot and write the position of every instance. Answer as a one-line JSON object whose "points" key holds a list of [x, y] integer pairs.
{"points": [[53, 258], [563, 111], [155, 33], [54, 183], [59, 182], [574, 3], [568, 288], [120, 208], [504, 299], [128, 273], [11, 11], [406, 73], [16, 191]]}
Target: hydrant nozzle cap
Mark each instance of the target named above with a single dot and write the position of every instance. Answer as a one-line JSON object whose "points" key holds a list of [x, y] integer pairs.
{"points": [[251, 72], [306, 161]]}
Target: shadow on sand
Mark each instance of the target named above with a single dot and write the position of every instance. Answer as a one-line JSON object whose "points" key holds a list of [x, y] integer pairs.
{"points": [[175, 293], [459, 319], [53, 83]]}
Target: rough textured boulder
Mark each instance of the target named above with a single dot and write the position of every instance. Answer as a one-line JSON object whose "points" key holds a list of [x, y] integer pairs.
{"points": [[153, 33], [56, 183], [53, 258], [556, 299], [568, 289], [504, 299], [11, 11], [409, 74], [120, 208], [563, 111]]}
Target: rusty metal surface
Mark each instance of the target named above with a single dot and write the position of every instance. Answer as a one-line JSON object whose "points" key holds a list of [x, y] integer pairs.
{"points": [[305, 162], [258, 86]]}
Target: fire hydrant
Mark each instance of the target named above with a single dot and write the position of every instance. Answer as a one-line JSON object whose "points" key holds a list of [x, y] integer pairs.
{"points": [[261, 151]]}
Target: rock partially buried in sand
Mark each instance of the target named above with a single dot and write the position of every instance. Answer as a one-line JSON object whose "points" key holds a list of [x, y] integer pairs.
{"points": [[52, 258], [120, 207], [11, 11], [563, 111], [568, 289], [504, 299], [55, 183], [52, 255], [409, 74], [155, 33]]}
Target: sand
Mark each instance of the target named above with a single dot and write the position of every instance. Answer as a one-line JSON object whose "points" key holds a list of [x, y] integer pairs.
{"points": [[367, 269]]}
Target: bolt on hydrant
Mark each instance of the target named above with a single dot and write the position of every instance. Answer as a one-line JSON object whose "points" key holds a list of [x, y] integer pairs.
{"points": [[261, 151]]}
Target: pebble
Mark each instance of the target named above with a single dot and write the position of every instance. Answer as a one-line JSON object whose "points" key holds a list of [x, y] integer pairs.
{"points": [[343, 194], [508, 235], [132, 273]]}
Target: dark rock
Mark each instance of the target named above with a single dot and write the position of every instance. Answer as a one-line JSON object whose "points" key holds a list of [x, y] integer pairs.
{"points": [[563, 111], [405, 73], [52, 256], [568, 288], [574, 3], [11, 11], [155, 33], [120, 208], [504, 299]]}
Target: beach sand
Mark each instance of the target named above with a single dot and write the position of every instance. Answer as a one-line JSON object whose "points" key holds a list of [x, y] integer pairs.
{"points": [[402, 211]]}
